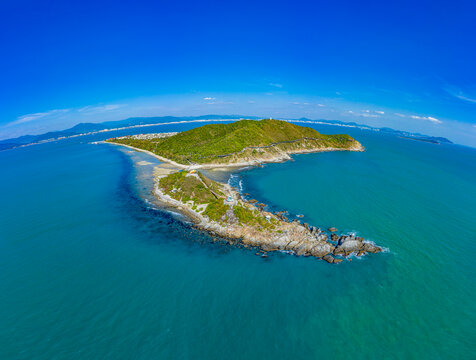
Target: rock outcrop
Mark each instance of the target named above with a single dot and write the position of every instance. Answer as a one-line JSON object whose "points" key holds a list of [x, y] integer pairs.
{"points": [[349, 244], [250, 224]]}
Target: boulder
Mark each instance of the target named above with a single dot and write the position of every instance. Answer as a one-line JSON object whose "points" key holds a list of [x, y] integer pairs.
{"points": [[371, 248], [342, 239], [331, 260], [348, 246], [321, 250], [304, 247]]}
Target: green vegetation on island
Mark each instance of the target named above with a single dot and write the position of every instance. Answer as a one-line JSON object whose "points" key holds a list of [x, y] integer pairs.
{"points": [[241, 141], [196, 189], [214, 200]]}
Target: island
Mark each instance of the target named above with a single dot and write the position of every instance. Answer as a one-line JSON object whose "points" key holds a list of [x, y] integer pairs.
{"points": [[241, 143], [222, 210]]}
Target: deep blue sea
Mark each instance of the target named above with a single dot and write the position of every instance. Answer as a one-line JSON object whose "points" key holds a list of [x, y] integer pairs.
{"points": [[91, 269]]}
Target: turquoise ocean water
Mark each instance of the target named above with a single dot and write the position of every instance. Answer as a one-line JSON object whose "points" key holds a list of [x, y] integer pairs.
{"points": [[91, 269]]}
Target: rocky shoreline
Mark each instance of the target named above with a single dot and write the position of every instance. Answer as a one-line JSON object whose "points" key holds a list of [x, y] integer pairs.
{"points": [[289, 236]]}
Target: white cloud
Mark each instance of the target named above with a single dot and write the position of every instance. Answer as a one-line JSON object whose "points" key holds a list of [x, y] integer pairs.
{"points": [[321, 105], [208, 98], [419, 117], [56, 114], [465, 98], [457, 93], [380, 112], [111, 107], [432, 119], [99, 108], [35, 116], [280, 86], [363, 113], [369, 115], [220, 102], [29, 117]]}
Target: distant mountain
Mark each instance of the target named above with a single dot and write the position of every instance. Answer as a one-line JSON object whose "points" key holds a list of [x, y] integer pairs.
{"points": [[84, 128], [386, 130]]}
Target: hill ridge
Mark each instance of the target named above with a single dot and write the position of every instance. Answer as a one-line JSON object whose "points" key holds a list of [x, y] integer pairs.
{"points": [[244, 141]]}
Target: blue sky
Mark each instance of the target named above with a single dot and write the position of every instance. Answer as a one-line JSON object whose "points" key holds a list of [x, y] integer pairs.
{"points": [[409, 65]]}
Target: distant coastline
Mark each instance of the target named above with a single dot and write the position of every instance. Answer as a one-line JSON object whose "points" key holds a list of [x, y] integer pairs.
{"points": [[112, 129], [110, 126], [431, 141]]}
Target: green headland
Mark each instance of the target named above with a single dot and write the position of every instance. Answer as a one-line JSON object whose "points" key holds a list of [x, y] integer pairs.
{"points": [[238, 143]]}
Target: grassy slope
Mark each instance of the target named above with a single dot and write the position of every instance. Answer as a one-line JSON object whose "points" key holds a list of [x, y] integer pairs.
{"points": [[189, 188], [207, 143]]}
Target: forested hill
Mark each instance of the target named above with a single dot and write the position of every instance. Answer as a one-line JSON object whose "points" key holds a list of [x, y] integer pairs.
{"points": [[216, 142]]}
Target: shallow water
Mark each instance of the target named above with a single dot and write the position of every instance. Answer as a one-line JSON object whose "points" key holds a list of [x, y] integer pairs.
{"points": [[90, 268]]}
